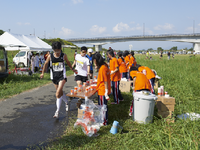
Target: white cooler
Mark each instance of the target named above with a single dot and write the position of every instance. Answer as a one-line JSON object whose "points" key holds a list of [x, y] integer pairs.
{"points": [[144, 103]]}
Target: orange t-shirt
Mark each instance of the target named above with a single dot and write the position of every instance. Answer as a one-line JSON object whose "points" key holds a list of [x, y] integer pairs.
{"points": [[103, 76], [127, 58], [131, 62], [141, 81], [122, 65], [150, 74], [113, 65]]}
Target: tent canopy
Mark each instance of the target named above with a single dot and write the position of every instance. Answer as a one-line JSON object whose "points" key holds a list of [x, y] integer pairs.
{"points": [[23, 42]]}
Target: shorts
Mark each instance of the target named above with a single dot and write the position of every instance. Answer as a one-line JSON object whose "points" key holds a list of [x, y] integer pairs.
{"points": [[81, 78], [91, 71], [56, 81]]}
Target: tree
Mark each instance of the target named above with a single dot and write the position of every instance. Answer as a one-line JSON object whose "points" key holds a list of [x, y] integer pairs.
{"points": [[191, 49], [159, 49], [150, 49], [173, 48], [1, 32]]}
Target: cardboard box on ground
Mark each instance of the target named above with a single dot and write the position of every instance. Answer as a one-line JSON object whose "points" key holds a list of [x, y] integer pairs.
{"points": [[156, 84], [165, 106], [125, 86], [81, 111]]}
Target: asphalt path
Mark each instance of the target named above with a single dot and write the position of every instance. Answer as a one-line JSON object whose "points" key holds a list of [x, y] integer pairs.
{"points": [[26, 120]]}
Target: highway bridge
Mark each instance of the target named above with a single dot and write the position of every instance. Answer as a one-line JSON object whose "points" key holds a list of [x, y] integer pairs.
{"points": [[99, 41]]}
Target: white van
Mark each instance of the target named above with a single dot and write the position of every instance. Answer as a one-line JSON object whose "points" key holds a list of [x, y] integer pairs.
{"points": [[21, 58], [3, 63]]}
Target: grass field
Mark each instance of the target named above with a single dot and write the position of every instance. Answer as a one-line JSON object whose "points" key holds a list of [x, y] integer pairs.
{"points": [[180, 77]]}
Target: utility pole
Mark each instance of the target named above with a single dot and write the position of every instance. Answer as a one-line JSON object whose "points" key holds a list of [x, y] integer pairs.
{"points": [[130, 47]]}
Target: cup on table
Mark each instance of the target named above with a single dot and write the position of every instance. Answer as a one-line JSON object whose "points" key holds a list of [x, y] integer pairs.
{"points": [[91, 81], [72, 91]]}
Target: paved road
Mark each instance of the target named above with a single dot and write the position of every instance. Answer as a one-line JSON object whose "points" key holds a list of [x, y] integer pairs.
{"points": [[27, 119]]}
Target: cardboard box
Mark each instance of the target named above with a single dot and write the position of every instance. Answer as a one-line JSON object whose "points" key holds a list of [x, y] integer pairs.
{"points": [[125, 86], [164, 107], [165, 114], [156, 84], [80, 113], [166, 100], [170, 120]]}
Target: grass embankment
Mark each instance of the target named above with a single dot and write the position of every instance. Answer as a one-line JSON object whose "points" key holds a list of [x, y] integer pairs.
{"points": [[180, 77], [15, 84]]}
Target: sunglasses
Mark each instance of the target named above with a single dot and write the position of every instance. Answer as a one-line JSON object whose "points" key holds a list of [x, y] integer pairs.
{"points": [[84, 52]]}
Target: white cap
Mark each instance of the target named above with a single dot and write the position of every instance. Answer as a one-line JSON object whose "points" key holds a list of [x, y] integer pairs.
{"points": [[90, 50]]}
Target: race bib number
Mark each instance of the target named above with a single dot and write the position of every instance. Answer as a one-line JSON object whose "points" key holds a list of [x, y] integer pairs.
{"points": [[58, 66], [79, 64]]}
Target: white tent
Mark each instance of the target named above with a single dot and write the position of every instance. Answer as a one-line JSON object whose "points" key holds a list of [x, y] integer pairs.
{"points": [[23, 42]]}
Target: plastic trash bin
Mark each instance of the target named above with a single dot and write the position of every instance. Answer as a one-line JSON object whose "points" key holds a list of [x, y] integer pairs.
{"points": [[144, 103]]}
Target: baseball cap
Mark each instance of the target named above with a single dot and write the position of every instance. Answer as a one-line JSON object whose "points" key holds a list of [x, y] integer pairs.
{"points": [[90, 50]]}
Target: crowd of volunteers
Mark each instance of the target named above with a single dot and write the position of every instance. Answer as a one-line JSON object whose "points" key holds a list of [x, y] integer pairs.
{"points": [[110, 72]]}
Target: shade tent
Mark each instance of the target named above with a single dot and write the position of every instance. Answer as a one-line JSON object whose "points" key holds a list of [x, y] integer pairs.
{"points": [[23, 42]]}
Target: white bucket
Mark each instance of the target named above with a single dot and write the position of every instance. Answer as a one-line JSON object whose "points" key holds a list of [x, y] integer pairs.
{"points": [[144, 103]]}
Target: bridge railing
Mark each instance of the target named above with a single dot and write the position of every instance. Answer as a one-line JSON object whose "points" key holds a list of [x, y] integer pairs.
{"points": [[135, 36]]}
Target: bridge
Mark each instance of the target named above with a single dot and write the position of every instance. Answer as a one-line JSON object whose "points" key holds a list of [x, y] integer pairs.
{"points": [[99, 41]]}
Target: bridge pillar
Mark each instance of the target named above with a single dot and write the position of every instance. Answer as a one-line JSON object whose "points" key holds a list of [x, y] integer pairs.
{"points": [[196, 47], [98, 48]]}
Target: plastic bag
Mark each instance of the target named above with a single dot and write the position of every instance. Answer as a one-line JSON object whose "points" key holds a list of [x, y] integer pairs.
{"points": [[191, 116], [92, 119]]}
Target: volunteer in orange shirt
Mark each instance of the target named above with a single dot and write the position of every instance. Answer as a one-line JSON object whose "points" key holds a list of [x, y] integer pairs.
{"points": [[149, 74], [127, 58], [140, 82], [122, 65], [132, 61], [103, 82], [115, 77]]}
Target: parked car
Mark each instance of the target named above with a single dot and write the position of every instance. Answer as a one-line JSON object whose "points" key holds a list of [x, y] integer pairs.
{"points": [[3, 63], [21, 58]]}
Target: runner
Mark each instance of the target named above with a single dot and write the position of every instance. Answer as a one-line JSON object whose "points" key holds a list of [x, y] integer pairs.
{"points": [[82, 66], [58, 74]]}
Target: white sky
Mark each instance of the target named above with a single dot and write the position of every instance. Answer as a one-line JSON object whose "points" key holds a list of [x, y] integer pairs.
{"points": [[101, 18]]}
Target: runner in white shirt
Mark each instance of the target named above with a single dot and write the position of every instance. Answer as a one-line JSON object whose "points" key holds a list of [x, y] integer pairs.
{"points": [[82, 66]]}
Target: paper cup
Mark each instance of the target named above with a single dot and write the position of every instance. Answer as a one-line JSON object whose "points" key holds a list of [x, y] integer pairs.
{"points": [[72, 91], [91, 81], [162, 90], [87, 90], [159, 91], [76, 88]]}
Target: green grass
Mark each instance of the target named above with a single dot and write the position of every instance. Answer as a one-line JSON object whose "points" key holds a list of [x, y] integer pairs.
{"points": [[180, 77], [15, 84]]}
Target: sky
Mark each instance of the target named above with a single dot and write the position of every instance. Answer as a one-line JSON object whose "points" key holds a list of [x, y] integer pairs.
{"points": [[67, 19]]}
